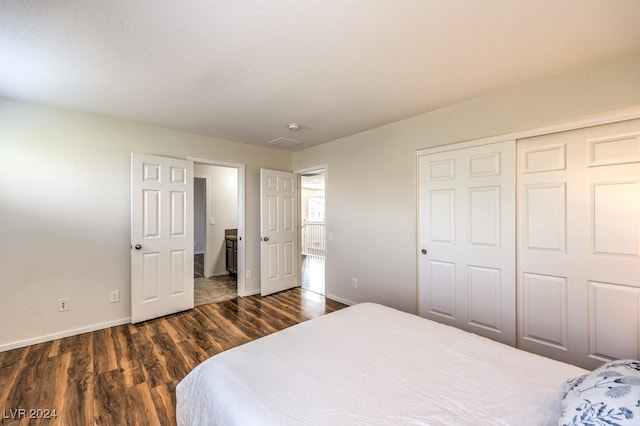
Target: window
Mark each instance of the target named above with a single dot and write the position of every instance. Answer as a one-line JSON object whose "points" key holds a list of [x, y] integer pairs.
{"points": [[315, 209]]}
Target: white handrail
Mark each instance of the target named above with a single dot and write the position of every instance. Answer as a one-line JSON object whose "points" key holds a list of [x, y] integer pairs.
{"points": [[313, 240]]}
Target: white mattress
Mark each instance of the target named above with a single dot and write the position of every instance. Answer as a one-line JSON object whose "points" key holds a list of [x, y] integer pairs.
{"points": [[370, 364]]}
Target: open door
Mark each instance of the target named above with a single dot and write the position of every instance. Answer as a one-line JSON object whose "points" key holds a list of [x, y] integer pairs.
{"points": [[279, 231], [161, 236]]}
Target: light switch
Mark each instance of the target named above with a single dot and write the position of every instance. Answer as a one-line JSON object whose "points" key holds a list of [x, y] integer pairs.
{"points": [[212, 221]]}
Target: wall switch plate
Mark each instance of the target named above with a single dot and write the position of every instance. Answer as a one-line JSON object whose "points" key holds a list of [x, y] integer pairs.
{"points": [[354, 282], [114, 296], [212, 221], [248, 274], [63, 305]]}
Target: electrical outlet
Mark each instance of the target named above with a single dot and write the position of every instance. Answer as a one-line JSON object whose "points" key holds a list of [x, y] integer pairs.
{"points": [[114, 296], [63, 305], [354, 282]]}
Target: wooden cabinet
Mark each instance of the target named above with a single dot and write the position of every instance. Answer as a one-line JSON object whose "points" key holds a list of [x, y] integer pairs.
{"points": [[231, 243]]}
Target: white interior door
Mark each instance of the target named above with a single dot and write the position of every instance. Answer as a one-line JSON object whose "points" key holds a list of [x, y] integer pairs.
{"points": [[279, 231], [579, 244], [467, 239], [161, 236]]}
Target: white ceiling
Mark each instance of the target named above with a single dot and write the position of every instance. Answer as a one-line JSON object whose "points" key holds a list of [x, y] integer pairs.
{"points": [[244, 69]]}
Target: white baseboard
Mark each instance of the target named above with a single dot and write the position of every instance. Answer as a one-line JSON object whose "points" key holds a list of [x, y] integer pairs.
{"points": [[340, 299], [75, 331], [62, 334]]}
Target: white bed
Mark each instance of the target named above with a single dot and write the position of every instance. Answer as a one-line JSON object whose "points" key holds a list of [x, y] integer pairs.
{"points": [[370, 364]]}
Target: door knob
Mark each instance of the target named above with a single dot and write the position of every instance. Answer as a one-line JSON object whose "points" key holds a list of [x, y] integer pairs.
{"points": [[423, 251], [265, 239], [138, 246]]}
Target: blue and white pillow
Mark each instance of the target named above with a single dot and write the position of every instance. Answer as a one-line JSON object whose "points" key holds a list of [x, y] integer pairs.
{"points": [[609, 395]]}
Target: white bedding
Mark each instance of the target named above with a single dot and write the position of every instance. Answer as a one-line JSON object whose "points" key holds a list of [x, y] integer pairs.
{"points": [[370, 364]]}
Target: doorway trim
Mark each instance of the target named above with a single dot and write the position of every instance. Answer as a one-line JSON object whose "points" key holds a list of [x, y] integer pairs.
{"points": [[241, 214]]}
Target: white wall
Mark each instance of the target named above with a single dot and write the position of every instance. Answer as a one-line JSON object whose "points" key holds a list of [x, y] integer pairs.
{"points": [[370, 194], [64, 195], [223, 208], [64, 213]]}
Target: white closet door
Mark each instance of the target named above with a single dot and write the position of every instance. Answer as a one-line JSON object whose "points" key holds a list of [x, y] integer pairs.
{"points": [[579, 244], [467, 239]]}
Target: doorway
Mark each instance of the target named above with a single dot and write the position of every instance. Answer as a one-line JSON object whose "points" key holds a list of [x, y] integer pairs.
{"points": [[312, 232], [216, 224], [199, 225]]}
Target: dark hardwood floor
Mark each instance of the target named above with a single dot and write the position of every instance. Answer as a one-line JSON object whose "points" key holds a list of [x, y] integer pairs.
{"points": [[127, 374]]}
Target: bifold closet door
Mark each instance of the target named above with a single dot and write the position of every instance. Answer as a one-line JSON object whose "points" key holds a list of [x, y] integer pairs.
{"points": [[466, 224], [579, 244]]}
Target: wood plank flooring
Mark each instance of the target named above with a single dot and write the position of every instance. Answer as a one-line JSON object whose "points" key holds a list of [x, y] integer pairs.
{"points": [[126, 375]]}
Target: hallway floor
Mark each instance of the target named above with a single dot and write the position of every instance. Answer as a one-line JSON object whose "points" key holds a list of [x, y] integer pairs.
{"points": [[313, 274], [213, 289], [224, 287]]}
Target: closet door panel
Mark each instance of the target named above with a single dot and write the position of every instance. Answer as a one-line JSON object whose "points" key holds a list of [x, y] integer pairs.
{"points": [[614, 212], [484, 216], [467, 231], [484, 288], [616, 148], [544, 312], [579, 222], [440, 300], [614, 327], [545, 217], [442, 211]]}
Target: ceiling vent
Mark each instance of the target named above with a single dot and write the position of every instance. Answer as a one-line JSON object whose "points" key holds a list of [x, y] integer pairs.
{"points": [[284, 142]]}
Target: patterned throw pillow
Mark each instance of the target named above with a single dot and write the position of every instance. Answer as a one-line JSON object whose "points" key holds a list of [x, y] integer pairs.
{"points": [[609, 395]]}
